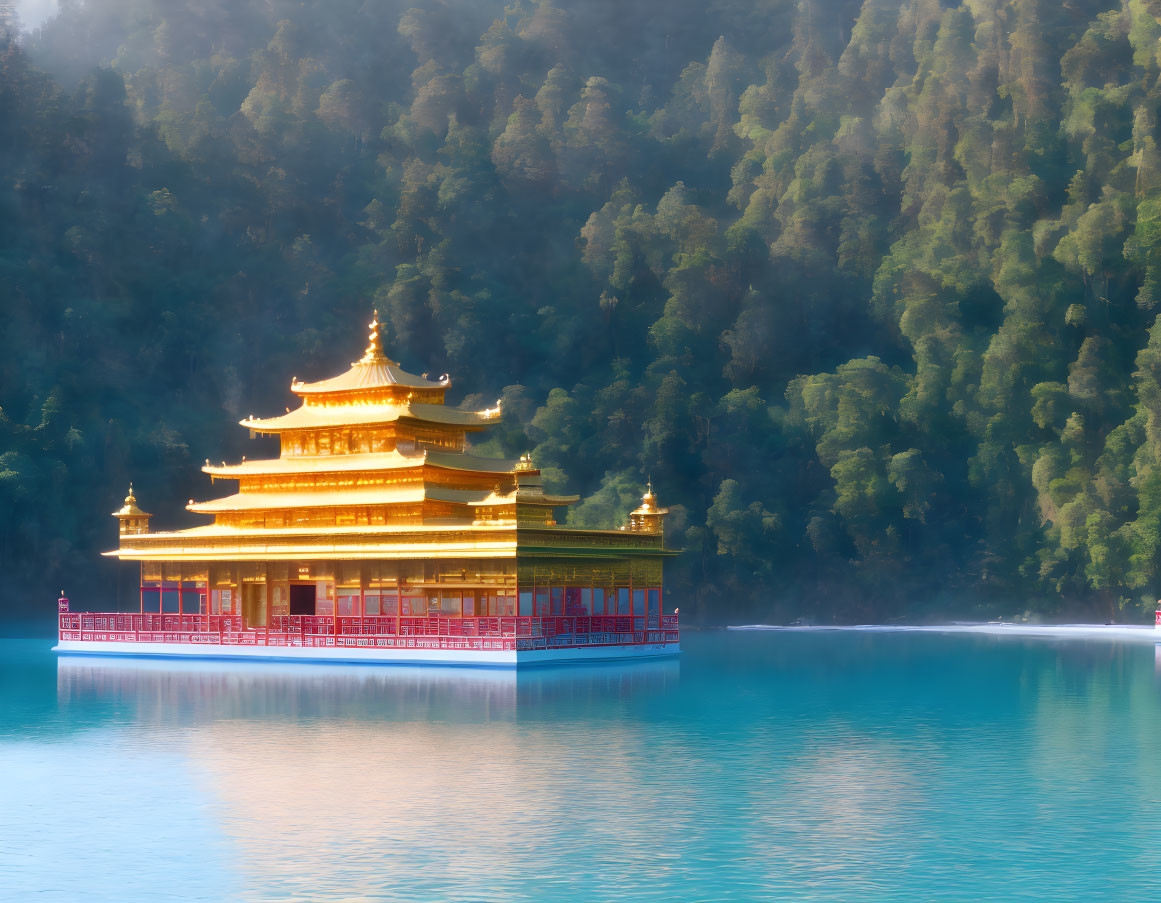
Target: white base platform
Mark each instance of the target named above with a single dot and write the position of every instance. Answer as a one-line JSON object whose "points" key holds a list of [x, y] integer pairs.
{"points": [[381, 656]]}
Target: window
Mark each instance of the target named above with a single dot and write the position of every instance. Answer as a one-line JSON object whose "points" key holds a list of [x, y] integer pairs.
{"points": [[414, 606], [498, 605], [586, 601], [324, 595], [469, 604], [222, 602], [450, 604], [541, 602], [348, 603], [280, 599], [525, 603], [598, 600], [623, 601], [371, 604], [655, 607], [572, 602], [389, 602], [558, 600], [639, 602]]}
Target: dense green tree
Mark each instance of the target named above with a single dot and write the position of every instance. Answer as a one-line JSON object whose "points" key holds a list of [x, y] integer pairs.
{"points": [[869, 287]]}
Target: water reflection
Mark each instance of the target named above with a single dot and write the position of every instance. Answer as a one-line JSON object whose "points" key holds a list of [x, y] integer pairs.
{"points": [[839, 766], [359, 782], [162, 689]]}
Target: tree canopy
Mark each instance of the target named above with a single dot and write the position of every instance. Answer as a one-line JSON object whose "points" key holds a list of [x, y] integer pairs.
{"points": [[871, 288]]}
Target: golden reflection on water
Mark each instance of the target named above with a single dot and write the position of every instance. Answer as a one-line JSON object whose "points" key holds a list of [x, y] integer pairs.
{"points": [[353, 781], [296, 799]]}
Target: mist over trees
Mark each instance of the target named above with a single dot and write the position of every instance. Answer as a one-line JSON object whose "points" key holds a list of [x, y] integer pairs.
{"points": [[869, 288]]}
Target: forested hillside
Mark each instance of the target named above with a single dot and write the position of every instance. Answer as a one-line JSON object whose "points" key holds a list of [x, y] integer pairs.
{"points": [[869, 287]]}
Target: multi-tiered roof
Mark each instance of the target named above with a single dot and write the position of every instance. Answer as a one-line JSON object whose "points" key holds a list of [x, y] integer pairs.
{"points": [[372, 463], [375, 445]]}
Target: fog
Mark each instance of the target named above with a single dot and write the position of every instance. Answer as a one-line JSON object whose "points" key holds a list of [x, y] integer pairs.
{"points": [[34, 13], [869, 287]]}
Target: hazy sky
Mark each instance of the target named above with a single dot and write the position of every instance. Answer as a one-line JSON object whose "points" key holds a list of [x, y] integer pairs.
{"points": [[34, 12]]}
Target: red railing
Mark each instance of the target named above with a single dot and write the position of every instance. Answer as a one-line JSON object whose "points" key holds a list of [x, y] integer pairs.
{"points": [[382, 630]]}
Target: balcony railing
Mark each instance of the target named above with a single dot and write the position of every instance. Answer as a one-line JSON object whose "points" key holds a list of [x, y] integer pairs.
{"points": [[490, 633]]}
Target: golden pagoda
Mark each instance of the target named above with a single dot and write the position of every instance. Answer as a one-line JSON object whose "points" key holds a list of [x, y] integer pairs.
{"points": [[377, 507]]}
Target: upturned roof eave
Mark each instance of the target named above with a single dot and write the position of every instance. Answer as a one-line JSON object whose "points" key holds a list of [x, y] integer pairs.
{"points": [[368, 375], [356, 498], [360, 461], [436, 415]]}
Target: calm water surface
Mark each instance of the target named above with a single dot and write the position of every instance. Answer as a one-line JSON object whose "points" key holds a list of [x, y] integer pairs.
{"points": [[839, 766]]}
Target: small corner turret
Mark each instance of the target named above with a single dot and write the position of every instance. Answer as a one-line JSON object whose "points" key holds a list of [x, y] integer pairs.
{"points": [[529, 486], [648, 518], [131, 520], [528, 482], [533, 505]]}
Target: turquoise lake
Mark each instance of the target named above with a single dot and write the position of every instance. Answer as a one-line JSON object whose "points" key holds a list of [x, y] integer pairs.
{"points": [[773, 765]]}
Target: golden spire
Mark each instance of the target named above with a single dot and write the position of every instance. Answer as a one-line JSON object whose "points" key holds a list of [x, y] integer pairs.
{"points": [[374, 353]]}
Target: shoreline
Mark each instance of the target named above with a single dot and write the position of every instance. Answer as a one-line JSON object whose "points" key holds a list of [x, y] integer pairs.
{"points": [[1143, 633]]}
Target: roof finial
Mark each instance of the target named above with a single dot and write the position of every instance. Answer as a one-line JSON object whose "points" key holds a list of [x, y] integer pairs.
{"points": [[374, 352], [129, 507]]}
